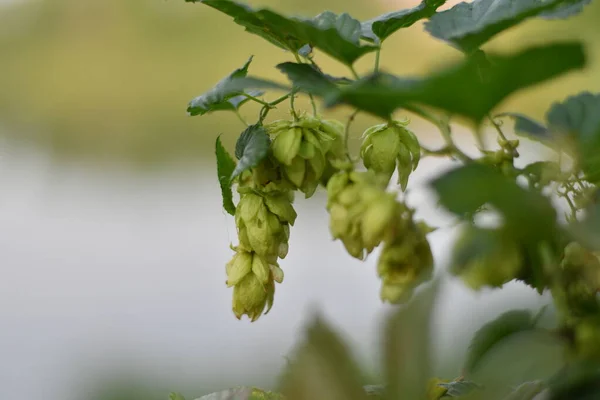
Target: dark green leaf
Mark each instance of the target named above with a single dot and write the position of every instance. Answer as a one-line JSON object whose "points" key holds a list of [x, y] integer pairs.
{"points": [[528, 127], [378, 29], [578, 117], [407, 350], [526, 391], [176, 396], [566, 11], [307, 78], [335, 35], [225, 168], [467, 26], [322, 368], [494, 332], [251, 148], [464, 190], [460, 89], [219, 97], [578, 381], [459, 388]]}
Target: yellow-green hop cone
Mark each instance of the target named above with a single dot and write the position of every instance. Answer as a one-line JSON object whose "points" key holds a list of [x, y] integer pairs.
{"points": [[261, 269], [391, 145], [303, 148], [486, 257], [405, 262], [262, 222], [376, 219], [239, 266], [251, 297]]}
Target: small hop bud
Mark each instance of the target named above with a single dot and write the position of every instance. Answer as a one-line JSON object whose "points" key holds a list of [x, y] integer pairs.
{"points": [[391, 145]]}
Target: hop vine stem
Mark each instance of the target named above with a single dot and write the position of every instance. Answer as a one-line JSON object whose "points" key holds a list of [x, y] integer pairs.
{"points": [[310, 96]]}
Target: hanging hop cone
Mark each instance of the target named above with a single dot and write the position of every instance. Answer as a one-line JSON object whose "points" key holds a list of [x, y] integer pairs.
{"points": [[305, 148], [405, 260], [361, 211], [253, 280], [388, 146]]}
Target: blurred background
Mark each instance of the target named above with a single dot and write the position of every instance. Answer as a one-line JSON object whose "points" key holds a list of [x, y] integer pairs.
{"points": [[112, 237]]}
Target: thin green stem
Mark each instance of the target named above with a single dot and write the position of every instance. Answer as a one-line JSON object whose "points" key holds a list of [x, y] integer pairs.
{"points": [[497, 127], [354, 73], [347, 134], [256, 99], [445, 130], [292, 100], [310, 96], [377, 59], [279, 100], [237, 112]]}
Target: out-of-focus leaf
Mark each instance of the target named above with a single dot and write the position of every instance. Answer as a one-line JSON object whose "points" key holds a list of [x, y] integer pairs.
{"points": [[220, 97], [527, 391], [566, 10], [467, 26], [176, 396], [238, 101], [528, 127], [242, 393], [460, 89], [407, 350], [578, 117], [493, 332], [381, 27], [225, 168], [464, 190], [251, 148], [336, 35], [322, 369], [459, 388], [375, 392], [579, 381]]}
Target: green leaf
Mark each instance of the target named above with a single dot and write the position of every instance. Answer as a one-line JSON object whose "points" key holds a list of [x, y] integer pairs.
{"points": [[380, 28], [225, 168], [528, 127], [407, 350], [578, 118], [307, 78], [526, 391], [176, 396], [222, 96], [466, 189], [459, 388], [251, 148], [322, 368], [336, 35], [467, 26], [580, 381], [460, 89], [377, 391], [492, 333]]}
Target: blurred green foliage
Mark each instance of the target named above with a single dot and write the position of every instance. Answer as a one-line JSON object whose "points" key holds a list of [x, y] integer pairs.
{"points": [[112, 79]]}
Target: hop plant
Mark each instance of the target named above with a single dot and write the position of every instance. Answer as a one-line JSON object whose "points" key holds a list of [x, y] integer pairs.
{"points": [[388, 145], [361, 211], [305, 147], [405, 261]]}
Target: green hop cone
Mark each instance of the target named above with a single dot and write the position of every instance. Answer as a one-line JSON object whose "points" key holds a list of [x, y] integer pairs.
{"points": [[486, 257], [263, 223], [305, 148], [405, 262], [361, 211], [386, 147], [251, 297]]}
